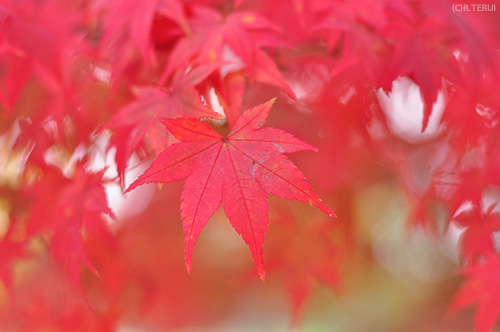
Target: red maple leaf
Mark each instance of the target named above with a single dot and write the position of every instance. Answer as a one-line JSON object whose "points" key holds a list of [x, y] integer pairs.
{"points": [[241, 34], [36, 48], [477, 239], [36, 308], [72, 207], [136, 118], [237, 170], [482, 288], [128, 27], [306, 254], [239, 31]]}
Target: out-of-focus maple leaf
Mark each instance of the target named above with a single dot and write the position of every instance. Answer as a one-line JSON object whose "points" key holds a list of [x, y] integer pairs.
{"points": [[243, 33], [426, 57], [73, 205], [213, 31], [128, 26], [481, 288], [357, 29], [35, 47], [37, 139], [472, 110], [346, 16], [305, 254], [365, 59], [237, 170], [162, 295], [36, 307], [477, 239]]}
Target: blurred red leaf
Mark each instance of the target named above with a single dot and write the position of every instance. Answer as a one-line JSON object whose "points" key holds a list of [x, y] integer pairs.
{"points": [[129, 24], [481, 288], [76, 204], [307, 254], [234, 39]]}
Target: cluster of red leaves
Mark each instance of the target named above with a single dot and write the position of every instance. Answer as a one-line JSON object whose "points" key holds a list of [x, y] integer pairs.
{"points": [[73, 72]]}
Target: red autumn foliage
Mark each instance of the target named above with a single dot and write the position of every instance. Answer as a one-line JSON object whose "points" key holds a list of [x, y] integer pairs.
{"points": [[401, 94], [238, 170]]}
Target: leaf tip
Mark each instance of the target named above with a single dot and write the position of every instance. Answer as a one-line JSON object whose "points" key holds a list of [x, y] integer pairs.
{"points": [[164, 121], [130, 188], [329, 211], [91, 267], [426, 118], [262, 275]]}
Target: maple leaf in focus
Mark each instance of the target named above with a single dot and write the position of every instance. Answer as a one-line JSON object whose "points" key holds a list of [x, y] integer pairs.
{"points": [[481, 287], [136, 118], [237, 170]]}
